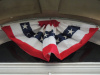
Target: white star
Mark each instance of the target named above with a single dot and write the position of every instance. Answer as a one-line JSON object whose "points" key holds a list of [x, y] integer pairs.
{"points": [[35, 34], [45, 35], [65, 37], [70, 31], [57, 40], [41, 39], [25, 26]]}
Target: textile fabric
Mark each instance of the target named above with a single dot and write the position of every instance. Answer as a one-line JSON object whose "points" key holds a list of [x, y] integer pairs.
{"points": [[40, 38]]}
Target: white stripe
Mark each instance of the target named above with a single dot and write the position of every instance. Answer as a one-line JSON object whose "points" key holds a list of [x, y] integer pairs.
{"points": [[86, 27], [65, 44], [48, 28], [35, 27], [16, 29], [78, 35], [42, 29], [62, 27], [35, 43], [49, 40], [54, 29]]}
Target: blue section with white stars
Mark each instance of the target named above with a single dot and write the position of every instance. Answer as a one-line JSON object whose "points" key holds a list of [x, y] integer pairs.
{"points": [[49, 33], [27, 30], [39, 36], [60, 37], [68, 33], [70, 30]]}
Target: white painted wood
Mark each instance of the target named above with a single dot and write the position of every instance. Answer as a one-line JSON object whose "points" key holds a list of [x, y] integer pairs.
{"points": [[47, 74], [23, 74], [47, 68], [50, 73]]}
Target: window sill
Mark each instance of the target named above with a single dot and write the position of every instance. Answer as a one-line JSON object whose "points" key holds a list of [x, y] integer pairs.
{"points": [[50, 68]]}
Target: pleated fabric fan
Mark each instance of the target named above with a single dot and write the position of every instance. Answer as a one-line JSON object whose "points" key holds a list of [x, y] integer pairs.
{"points": [[40, 38]]}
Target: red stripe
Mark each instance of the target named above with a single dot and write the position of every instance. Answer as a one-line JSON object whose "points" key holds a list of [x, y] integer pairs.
{"points": [[27, 48], [51, 48], [55, 23]]}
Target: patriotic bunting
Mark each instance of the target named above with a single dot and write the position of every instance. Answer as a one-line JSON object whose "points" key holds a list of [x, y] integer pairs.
{"points": [[41, 38]]}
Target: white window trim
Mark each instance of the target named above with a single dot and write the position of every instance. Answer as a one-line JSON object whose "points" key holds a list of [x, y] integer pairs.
{"points": [[79, 68]]}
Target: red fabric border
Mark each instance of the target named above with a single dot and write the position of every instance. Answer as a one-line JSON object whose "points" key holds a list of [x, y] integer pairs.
{"points": [[51, 48]]}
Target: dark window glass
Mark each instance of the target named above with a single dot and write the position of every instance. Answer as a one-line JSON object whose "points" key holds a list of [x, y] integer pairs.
{"points": [[10, 52]]}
